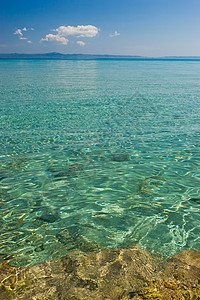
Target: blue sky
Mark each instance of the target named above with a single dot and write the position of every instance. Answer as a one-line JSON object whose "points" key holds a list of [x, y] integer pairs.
{"points": [[128, 27]]}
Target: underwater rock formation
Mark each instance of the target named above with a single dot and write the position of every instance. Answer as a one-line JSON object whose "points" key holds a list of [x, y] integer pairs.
{"points": [[108, 274]]}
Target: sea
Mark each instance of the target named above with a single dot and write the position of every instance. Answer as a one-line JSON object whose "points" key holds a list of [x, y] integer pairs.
{"points": [[98, 154]]}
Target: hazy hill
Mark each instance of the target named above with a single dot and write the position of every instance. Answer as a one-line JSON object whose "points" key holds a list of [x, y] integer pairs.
{"points": [[55, 55]]}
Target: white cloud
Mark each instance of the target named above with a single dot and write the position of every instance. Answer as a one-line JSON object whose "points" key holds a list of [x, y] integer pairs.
{"points": [[115, 34], [18, 31], [79, 31], [21, 36], [55, 37], [29, 42], [80, 43]]}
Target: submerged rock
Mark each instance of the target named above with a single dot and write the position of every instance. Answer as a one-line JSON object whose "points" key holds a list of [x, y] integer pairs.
{"points": [[119, 157], [63, 236], [109, 274], [2, 177], [40, 248], [69, 171], [196, 200], [73, 240], [48, 217]]}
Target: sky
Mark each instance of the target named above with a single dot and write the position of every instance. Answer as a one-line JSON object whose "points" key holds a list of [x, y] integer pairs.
{"points": [[121, 27]]}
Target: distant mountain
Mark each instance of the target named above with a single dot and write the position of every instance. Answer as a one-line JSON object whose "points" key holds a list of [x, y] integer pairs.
{"points": [[55, 55], [181, 57]]}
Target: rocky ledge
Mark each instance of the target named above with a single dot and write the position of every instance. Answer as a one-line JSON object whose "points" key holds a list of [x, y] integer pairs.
{"points": [[109, 274]]}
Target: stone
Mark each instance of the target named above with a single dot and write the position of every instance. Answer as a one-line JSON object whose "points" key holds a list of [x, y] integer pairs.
{"points": [[107, 274], [48, 217], [119, 157], [40, 248], [196, 200]]}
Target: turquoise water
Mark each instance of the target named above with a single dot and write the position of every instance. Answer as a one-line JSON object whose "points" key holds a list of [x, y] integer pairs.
{"points": [[98, 154]]}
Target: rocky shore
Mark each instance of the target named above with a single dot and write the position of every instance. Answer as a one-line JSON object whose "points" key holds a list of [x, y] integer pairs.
{"points": [[110, 274]]}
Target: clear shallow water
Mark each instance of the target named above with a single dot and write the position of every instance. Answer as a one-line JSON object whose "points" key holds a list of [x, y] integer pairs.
{"points": [[98, 154]]}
